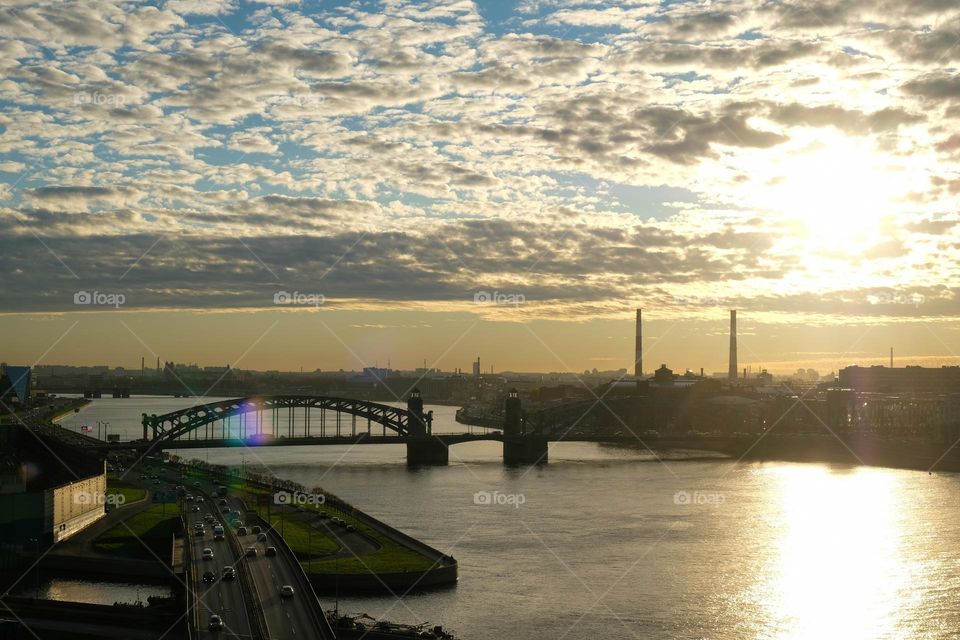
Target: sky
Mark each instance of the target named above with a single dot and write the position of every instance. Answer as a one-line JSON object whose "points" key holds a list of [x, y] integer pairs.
{"points": [[277, 185]]}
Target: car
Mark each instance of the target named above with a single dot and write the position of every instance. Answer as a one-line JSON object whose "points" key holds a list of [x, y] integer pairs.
{"points": [[199, 533], [351, 528], [229, 573], [225, 510], [270, 551], [188, 497], [200, 499], [216, 623], [323, 515], [196, 483], [207, 553], [209, 576], [195, 509], [256, 530], [262, 537], [241, 531], [218, 533], [222, 502], [286, 591], [251, 552]]}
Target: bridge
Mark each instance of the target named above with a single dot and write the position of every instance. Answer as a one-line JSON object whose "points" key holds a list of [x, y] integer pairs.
{"points": [[289, 420]]}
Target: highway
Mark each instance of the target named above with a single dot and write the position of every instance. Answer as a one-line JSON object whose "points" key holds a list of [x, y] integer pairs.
{"points": [[223, 597], [288, 618]]}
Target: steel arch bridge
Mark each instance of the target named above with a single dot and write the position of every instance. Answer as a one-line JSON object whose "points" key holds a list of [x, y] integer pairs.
{"points": [[186, 422]]}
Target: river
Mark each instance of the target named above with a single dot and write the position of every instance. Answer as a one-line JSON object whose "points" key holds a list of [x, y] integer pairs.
{"points": [[607, 542]]}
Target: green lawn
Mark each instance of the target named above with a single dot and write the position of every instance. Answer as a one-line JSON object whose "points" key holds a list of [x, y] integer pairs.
{"points": [[305, 543], [129, 491], [150, 527]]}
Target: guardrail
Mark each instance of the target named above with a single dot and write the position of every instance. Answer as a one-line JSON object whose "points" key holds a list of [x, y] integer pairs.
{"points": [[249, 587], [190, 579], [306, 588]]}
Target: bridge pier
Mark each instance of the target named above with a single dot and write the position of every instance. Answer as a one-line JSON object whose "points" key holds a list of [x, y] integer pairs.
{"points": [[422, 452], [525, 450], [520, 447]]}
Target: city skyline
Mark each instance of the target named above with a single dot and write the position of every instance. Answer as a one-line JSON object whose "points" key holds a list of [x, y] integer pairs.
{"points": [[680, 344]]}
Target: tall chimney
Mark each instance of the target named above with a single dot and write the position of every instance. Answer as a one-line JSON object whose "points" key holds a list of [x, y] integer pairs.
{"points": [[891, 357], [733, 345], [638, 351]]}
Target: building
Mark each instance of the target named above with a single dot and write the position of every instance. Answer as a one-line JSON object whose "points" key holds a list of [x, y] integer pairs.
{"points": [[16, 384], [48, 490], [879, 379]]}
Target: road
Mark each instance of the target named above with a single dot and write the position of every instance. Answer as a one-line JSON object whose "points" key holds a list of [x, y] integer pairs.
{"points": [[289, 618], [223, 597]]}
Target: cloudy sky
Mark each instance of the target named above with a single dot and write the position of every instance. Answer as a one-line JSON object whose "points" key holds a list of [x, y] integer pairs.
{"points": [[510, 178]]}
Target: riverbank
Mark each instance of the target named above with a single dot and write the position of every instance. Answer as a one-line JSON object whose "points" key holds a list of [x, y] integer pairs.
{"points": [[70, 407], [913, 455]]}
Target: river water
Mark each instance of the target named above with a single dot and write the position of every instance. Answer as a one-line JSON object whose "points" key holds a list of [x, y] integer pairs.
{"points": [[607, 542], [90, 591]]}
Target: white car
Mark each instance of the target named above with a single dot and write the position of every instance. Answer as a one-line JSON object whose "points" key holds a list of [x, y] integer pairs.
{"points": [[207, 553], [286, 591], [216, 623]]}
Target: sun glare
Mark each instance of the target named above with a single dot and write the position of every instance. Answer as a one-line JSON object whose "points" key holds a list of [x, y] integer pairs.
{"points": [[839, 571], [835, 192]]}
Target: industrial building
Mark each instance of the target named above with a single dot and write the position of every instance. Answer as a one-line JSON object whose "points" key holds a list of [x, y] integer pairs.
{"points": [[48, 491], [879, 379]]}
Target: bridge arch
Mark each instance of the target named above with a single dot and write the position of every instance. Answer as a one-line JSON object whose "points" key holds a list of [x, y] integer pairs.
{"points": [[176, 424]]}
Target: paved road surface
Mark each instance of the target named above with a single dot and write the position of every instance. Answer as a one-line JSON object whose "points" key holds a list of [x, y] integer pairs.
{"points": [[223, 597], [289, 618]]}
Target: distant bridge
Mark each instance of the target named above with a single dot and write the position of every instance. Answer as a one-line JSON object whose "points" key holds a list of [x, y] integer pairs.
{"points": [[287, 420], [187, 423]]}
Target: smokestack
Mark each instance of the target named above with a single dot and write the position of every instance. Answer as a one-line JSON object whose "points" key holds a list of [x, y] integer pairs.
{"points": [[733, 345], [638, 351], [891, 357]]}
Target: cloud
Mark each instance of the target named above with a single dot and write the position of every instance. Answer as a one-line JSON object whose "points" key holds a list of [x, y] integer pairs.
{"points": [[936, 86]]}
